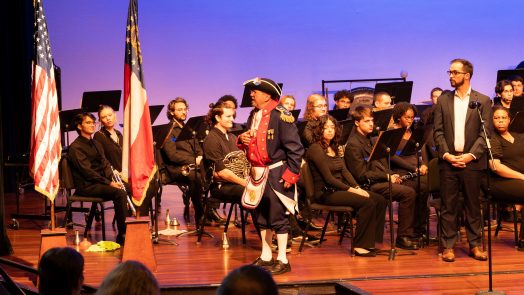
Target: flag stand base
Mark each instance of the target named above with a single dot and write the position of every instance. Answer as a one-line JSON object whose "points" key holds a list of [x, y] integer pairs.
{"points": [[52, 238], [138, 245]]}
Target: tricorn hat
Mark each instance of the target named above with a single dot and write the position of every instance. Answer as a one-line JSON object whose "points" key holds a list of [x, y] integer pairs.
{"points": [[265, 85]]}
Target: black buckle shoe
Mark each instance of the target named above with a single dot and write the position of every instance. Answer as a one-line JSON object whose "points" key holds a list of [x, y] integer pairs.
{"points": [[279, 268], [267, 265]]}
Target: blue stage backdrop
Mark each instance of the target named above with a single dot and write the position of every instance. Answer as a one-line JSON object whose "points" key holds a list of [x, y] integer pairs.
{"points": [[203, 49]]}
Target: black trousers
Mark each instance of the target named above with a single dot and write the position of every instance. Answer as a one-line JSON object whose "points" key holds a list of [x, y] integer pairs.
{"points": [[370, 216], [452, 181], [421, 203], [107, 192], [228, 192], [194, 183], [508, 190], [406, 197]]}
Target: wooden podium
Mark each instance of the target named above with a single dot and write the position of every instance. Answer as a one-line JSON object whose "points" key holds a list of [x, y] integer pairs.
{"points": [[138, 245], [52, 238]]}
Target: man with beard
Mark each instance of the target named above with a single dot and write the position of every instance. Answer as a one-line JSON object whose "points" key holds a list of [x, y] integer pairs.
{"points": [[462, 156], [177, 154]]}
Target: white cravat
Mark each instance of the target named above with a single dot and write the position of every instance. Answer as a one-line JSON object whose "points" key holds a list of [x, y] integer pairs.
{"points": [[256, 120]]}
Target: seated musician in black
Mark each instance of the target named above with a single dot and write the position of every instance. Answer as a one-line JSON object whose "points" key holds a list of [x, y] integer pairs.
{"points": [[177, 154], [375, 174], [403, 116], [316, 106], [507, 181], [220, 148], [112, 140], [334, 185], [92, 172]]}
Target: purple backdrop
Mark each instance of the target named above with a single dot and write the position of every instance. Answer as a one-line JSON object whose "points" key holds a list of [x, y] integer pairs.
{"points": [[201, 50]]}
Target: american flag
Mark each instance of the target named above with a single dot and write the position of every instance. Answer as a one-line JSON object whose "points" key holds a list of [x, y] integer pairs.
{"points": [[138, 163], [45, 132]]}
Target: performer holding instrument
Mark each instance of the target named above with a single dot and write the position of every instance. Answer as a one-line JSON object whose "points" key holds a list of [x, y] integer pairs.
{"points": [[180, 158], [273, 147], [92, 173], [111, 141], [408, 166], [229, 164]]}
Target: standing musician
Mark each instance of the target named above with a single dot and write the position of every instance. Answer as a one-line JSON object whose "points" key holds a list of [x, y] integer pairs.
{"points": [[272, 142], [111, 140], [92, 173], [221, 152]]}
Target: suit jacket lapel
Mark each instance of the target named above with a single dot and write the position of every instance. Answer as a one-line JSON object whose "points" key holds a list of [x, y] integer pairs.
{"points": [[472, 97], [451, 109]]}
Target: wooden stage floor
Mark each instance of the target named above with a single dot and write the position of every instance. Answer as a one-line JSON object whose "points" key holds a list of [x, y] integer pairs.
{"points": [[187, 265]]}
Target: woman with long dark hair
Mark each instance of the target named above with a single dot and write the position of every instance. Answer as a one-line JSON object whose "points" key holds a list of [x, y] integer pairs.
{"points": [[334, 185]]}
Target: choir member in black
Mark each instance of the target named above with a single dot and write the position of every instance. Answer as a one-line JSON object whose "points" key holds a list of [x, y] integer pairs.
{"points": [[316, 106], [343, 99], [272, 141], [111, 140], [376, 174], [288, 101], [507, 183], [429, 151], [403, 116], [92, 172], [219, 145], [504, 92], [334, 185], [176, 154]]}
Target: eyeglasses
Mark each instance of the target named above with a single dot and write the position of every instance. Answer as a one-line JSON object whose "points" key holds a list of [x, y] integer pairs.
{"points": [[321, 106], [454, 73]]}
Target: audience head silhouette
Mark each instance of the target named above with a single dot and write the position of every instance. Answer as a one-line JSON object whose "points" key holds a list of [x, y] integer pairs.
{"points": [[248, 279], [60, 272], [130, 278]]}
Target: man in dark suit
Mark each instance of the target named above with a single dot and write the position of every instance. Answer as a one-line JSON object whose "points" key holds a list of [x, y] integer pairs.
{"points": [[462, 156]]}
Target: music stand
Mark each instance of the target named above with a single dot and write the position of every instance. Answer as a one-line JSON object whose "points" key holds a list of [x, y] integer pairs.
{"points": [[346, 127], [381, 119], [414, 144], [66, 122], [517, 123], [246, 97], [399, 91], [340, 114], [195, 129], [385, 147], [154, 111], [160, 134], [505, 74], [91, 100], [517, 106]]}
